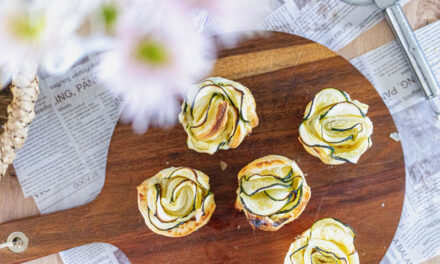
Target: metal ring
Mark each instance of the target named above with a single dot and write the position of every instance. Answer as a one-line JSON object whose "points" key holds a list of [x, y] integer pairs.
{"points": [[19, 242]]}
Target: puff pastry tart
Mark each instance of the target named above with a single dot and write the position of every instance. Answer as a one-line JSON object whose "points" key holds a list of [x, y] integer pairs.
{"points": [[272, 192], [336, 128], [217, 114], [176, 201], [327, 241]]}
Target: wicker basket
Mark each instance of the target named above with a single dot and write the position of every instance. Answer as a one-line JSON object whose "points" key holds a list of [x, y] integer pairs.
{"points": [[17, 103]]}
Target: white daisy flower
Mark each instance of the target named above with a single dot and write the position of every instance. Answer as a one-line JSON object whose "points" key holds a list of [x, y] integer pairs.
{"points": [[40, 31], [103, 16], [230, 21], [232, 15], [159, 56], [5, 76]]}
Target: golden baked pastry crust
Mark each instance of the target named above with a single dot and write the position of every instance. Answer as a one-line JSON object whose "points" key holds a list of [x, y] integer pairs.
{"points": [[327, 241], [176, 201], [336, 128], [272, 192], [217, 114]]}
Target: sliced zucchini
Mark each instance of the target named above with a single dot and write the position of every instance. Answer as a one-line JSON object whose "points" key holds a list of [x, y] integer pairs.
{"points": [[331, 229], [320, 227], [293, 203], [164, 226], [192, 175], [297, 256], [209, 199], [262, 183], [213, 113], [202, 98], [325, 251], [238, 103], [342, 109], [279, 194], [323, 256], [341, 130], [327, 241], [335, 128], [325, 97], [353, 153], [267, 186], [173, 197], [260, 204]]}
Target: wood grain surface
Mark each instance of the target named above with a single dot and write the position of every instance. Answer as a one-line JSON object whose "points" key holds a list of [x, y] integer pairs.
{"points": [[368, 196]]}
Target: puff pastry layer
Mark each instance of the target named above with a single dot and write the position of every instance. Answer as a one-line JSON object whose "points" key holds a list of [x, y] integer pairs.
{"points": [[336, 128], [272, 192], [327, 241], [217, 114], [176, 201]]}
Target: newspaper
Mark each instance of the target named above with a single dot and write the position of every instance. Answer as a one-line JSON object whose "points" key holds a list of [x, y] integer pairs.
{"points": [[96, 253], [62, 164], [331, 23], [417, 237]]}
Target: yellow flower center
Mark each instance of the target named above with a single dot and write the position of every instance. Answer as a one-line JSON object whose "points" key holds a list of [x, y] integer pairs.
{"points": [[152, 53], [28, 27], [109, 13]]}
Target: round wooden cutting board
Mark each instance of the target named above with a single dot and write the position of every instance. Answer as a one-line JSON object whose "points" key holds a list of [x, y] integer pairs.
{"points": [[283, 72]]}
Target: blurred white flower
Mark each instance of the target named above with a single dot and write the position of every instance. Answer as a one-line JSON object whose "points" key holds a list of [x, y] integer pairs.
{"points": [[103, 16], [98, 29], [159, 56], [25, 74], [230, 21], [40, 31], [5, 76], [232, 15], [153, 51]]}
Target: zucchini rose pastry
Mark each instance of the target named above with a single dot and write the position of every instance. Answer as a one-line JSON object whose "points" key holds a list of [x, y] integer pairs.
{"points": [[272, 192], [336, 128], [217, 114], [327, 241], [176, 201]]}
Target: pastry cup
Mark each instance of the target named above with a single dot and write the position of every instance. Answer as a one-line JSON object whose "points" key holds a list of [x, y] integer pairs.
{"points": [[336, 128], [217, 114], [272, 192], [327, 241], [176, 201]]}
